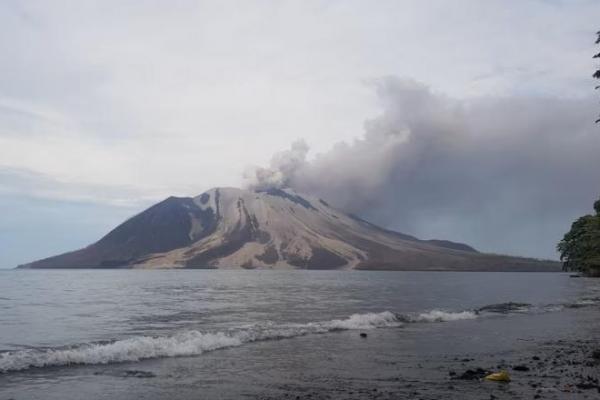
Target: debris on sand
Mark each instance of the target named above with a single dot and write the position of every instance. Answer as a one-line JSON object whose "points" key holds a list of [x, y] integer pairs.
{"points": [[501, 376]]}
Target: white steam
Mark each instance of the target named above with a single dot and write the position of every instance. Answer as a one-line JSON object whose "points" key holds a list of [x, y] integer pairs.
{"points": [[281, 169]]}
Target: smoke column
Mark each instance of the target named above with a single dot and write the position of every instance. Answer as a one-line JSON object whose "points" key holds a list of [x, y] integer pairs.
{"points": [[506, 175]]}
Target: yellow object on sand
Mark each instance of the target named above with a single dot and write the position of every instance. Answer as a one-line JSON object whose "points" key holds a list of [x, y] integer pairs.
{"points": [[501, 376]]}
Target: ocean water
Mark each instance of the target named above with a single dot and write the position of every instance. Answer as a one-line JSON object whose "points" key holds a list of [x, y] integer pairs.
{"points": [[258, 334]]}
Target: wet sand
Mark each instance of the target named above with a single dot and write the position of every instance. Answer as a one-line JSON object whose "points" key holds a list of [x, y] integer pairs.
{"points": [[566, 367], [550, 352], [548, 356], [552, 370]]}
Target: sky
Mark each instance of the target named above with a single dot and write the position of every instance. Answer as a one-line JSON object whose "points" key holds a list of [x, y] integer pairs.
{"points": [[462, 120]]}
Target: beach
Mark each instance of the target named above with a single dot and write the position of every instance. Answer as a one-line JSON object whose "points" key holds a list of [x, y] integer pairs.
{"points": [[423, 337]]}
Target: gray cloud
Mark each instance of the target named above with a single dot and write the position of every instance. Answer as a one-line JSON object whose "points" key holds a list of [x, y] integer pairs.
{"points": [[18, 182], [179, 99], [505, 174]]}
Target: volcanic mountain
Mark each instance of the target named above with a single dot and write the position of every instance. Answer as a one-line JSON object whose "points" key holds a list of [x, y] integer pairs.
{"points": [[275, 228]]}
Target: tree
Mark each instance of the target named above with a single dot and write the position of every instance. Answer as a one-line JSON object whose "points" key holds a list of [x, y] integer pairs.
{"points": [[597, 73], [580, 247]]}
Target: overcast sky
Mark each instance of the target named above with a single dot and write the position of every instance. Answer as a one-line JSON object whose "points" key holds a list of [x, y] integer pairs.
{"points": [[109, 106]]}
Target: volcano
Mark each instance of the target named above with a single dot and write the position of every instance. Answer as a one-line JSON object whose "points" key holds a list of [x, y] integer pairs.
{"points": [[275, 228]]}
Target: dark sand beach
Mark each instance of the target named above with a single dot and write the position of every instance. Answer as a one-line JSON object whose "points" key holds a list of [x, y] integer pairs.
{"points": [[210, 335]]}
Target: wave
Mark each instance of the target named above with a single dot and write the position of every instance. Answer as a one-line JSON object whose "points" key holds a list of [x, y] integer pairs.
{"points": [[132, 349], [584, 302], [505, 308], [193, 342], [444, 316], [188, 343]]}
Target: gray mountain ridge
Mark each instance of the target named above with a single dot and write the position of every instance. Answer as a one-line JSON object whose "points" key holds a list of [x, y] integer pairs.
{"points": [[274, 228]]}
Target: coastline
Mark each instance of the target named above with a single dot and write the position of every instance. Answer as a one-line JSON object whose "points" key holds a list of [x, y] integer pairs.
{"points": [[446, 326], [548, 370], [543, 267], [420, 361], [541, 366]]}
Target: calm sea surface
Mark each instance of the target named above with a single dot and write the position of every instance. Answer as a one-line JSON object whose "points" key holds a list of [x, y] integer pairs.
{"points": [[151, 334]]}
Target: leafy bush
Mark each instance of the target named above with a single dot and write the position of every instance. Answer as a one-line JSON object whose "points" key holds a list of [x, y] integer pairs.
{"points": [[580, 247]]}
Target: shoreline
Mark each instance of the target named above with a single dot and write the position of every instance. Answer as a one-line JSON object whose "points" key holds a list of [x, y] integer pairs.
{"points": [[554, 370], [552, 270], [545, 336]]}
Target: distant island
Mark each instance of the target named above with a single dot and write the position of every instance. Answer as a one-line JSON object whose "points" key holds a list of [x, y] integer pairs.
{"points": [[274, 228]]}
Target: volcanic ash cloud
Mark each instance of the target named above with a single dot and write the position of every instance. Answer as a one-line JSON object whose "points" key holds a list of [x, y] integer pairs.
{"points": [[504, 174]]}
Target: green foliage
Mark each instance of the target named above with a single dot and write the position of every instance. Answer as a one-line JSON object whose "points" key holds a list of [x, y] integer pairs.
{"points": [[597, 73], [580, 247]]}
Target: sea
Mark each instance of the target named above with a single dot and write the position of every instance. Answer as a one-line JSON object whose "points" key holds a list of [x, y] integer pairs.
{"points": [[229, 334]]}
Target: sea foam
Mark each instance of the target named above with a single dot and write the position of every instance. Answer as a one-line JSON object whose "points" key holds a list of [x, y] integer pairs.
{"points": [[187, 343], [443, 316], [192, 342]]}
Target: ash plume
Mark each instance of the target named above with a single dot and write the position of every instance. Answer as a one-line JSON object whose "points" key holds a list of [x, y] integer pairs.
{"points": [[281, 169], [505, 174]]}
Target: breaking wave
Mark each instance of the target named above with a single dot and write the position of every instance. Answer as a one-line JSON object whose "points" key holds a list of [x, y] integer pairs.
{"points": [[192, 342], [443, 316], [132, 349], [188, 343], [505, 308], [584, 302]]}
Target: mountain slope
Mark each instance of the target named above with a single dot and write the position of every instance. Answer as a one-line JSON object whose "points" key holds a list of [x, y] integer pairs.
{"points": [[228, 228]]}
